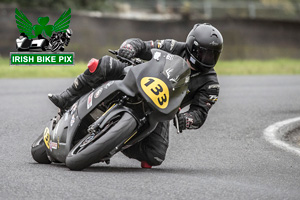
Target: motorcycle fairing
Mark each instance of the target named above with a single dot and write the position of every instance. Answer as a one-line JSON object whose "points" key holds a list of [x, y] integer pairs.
{"points": [[162, 68], [66, 128], [60, 135], [164, 75]]}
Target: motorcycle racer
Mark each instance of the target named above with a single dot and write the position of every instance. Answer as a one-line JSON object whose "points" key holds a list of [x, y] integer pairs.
{"points": [[65, 37], [201, 50]]}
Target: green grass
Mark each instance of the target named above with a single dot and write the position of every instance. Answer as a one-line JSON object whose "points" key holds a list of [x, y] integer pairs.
{"points": [[259, 67], [235, 67], [46, 71]]}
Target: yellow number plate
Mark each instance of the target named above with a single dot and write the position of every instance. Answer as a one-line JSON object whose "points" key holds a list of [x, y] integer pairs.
{"points": [[47, 137], [156, 90]]}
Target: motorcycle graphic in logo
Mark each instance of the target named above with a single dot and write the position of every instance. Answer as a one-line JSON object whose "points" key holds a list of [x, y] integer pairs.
{"points": [[42, 36]]}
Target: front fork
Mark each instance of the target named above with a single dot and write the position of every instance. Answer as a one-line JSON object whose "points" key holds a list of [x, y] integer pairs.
{"points": [[110, 113], [177, 124], [176, 121]]}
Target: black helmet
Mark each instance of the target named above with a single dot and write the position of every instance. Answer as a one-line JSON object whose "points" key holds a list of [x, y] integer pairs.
{"points": [[204, 45]]}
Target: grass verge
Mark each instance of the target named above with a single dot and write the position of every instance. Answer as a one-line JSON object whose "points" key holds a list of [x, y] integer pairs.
{"points": [[235, 67], [259, 67], [46, 71]]}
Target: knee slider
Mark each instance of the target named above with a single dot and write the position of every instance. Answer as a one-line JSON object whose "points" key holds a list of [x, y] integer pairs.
{"points": [[155, 158], [155, 161]]}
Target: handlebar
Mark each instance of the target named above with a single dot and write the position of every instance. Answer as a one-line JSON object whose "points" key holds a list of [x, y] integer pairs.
{"points": [[133, 61]]}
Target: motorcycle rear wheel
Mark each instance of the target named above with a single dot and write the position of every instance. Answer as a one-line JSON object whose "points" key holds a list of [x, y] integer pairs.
{"points": [[38, 151], [101, 147]]}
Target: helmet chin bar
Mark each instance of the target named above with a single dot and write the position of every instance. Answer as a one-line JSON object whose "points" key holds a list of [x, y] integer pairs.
{"points": [[196, 65]]}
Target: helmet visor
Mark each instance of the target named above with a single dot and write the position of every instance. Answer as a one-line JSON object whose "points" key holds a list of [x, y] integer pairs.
{"points": [[205, 56]]}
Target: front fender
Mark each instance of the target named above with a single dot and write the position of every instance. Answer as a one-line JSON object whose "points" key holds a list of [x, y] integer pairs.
{"points": [[110, 113]]}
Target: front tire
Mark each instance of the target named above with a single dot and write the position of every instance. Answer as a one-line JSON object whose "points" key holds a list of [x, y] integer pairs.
{"points": [[100, 148], [38, 151], [55, 46]]}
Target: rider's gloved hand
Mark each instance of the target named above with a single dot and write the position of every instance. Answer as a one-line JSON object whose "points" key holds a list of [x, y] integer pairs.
{"points": [[131, 48], [185, 121]]}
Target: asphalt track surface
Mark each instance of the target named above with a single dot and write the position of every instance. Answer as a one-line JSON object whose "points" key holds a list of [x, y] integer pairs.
{"points": [[228, 158]]}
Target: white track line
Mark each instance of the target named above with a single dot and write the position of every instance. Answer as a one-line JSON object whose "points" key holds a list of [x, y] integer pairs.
{"points": [[274, 133]]}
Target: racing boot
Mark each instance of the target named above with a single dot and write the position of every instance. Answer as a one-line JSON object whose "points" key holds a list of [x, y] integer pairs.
{"points": [[68, 97]]}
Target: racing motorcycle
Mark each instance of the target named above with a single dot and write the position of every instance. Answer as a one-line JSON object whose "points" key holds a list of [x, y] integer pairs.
{"points": [[59, 40], [115, 115]]}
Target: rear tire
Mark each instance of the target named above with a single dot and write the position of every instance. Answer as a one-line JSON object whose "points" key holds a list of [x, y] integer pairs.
{"points": [[101, 147], [38, 151], [44, 47]]}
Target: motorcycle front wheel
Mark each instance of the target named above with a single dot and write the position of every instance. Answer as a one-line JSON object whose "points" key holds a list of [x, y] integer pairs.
{"points": [[82, 156], [55, 46]]}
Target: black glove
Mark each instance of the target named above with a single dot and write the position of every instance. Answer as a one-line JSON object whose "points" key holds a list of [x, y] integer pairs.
{"points": [[185, 121], [130, 48]]}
